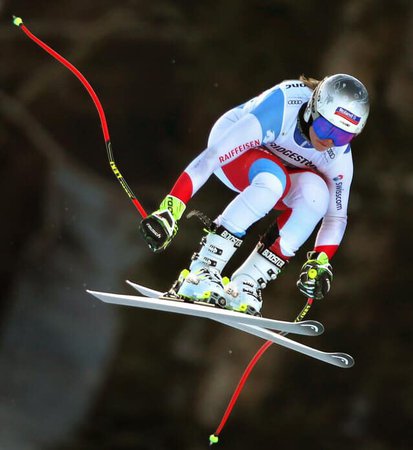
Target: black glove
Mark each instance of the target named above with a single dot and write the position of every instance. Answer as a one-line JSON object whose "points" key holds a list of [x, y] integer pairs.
{"points": [[160, 227], [316, 276]]}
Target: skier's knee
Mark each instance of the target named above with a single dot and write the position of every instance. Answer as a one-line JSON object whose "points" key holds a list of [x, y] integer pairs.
{"points": [[265, 172], [269, 182], [315, 193], [264, 192]]}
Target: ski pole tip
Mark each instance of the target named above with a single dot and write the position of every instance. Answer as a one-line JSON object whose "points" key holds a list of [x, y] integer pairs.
{"points": [[18, 21], [213, 439]]}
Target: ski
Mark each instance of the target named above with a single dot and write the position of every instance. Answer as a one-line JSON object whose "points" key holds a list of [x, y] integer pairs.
{"points": [[307, 328], [147, 292], [338, 359], [342, 360]]}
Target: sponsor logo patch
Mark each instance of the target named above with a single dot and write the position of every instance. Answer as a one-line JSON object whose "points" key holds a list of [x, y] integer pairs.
{"points": [[294, 101], [273, 258], [339, 191], [345, 114], [294, 85], [291, 155], [238, 150], [230, 237], [153, 231]]}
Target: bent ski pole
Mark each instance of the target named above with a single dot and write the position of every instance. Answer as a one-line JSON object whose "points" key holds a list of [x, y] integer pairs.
{"points": [[213, 438], [19, 23]]}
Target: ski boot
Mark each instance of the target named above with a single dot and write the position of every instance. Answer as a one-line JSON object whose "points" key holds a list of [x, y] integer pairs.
{"points": [[203, 281], [247, 282]]}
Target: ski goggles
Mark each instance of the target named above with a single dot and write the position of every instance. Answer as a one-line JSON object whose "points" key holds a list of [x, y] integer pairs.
{"points": [[326, 130]]}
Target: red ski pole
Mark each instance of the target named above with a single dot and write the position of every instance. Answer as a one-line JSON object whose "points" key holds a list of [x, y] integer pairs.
{"points": [[19, 23], [213, 438]]}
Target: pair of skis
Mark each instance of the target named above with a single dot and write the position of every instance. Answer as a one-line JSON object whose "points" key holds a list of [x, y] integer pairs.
{"points": [[258, 326]]}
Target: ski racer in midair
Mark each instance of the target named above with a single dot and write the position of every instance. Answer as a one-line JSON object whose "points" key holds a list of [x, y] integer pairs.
{"points": [[287, 149]]}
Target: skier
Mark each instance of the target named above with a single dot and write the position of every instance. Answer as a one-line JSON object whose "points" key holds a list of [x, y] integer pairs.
{"points": [[287, 149]]}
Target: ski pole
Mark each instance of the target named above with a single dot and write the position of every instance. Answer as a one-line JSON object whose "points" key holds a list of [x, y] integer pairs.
{"points": [[19, 23], [213, 438]]}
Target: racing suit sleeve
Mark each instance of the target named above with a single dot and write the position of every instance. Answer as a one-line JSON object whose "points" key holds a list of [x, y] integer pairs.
{"points": [[338, 178], [260, 119], [244, 134]]}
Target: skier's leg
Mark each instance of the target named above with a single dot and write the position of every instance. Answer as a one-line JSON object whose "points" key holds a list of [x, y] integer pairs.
{"points": [[203, 281], [255, 201], [263, 265], [261, 180], [306, 203], [264, 181]]}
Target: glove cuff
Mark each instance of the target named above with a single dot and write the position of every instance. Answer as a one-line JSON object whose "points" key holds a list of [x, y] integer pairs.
{"points": [[320, 257], [174, 205]]}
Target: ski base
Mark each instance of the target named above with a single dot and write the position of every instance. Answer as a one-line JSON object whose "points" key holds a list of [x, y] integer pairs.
{"points": [[249, 324]]}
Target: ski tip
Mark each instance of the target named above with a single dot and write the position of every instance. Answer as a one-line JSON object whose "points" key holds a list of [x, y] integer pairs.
{"points": [[18, 21], [213, 439], [88, 291], [343, 360], [95, 294], [314, 328]]}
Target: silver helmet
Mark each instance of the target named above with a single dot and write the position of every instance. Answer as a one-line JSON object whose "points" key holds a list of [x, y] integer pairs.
{"points": [[342, 100]]}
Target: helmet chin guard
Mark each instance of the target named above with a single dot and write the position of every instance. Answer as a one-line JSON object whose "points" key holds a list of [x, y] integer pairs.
{"points": [[341, 99]]}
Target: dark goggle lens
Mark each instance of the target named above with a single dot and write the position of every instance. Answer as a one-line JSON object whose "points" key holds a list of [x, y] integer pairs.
{"points": [[326, 130]]}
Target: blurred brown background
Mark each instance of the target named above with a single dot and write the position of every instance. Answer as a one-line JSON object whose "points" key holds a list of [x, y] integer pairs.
{"points": [[76, 374]]}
